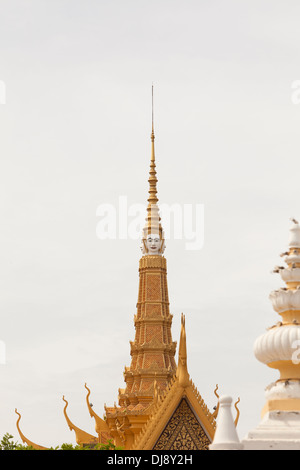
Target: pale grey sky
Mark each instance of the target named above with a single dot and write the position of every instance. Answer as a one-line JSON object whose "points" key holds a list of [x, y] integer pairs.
{"points": [[75, 133]]}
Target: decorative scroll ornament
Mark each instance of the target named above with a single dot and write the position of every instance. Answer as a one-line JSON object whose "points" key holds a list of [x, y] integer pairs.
{"points": [[237, 412], [216, 408]]}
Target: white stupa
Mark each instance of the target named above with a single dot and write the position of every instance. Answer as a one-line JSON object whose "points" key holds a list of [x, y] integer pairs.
{"points": [[278, 348], [226, 437]]}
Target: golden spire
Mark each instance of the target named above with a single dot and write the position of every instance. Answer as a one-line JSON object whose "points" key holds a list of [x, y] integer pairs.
{"points": [[153, 225], [182, 371]]}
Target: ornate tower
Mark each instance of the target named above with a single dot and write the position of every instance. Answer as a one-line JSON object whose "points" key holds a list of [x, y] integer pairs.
{"points": [[152, 351]]}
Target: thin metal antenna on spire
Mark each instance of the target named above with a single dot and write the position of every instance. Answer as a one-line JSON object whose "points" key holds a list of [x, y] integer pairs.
{"points": [[152, 133], [152, 113]]}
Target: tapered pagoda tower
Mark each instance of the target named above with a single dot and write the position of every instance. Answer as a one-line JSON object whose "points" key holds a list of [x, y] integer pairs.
{"points": [[153, 350]]}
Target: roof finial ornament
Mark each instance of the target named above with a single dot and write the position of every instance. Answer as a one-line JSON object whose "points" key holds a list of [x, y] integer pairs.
{"points": [[100, 424], [237, 412], [24, 439], [82, 437], [216, 408], [182, 371]]}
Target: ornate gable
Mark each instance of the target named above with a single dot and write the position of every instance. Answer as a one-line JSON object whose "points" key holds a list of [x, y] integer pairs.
{"points": [[183, 431], [179, 418]]}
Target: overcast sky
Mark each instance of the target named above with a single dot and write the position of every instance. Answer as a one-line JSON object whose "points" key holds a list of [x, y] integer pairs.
{"points": [[75, 134]]}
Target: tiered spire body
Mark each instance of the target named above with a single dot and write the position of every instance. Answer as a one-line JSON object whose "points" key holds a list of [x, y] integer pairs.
{"points": [[153, 349]]}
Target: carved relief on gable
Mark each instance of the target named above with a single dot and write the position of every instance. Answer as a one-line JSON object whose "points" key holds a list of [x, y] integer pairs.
{"points": [[183, 431]]}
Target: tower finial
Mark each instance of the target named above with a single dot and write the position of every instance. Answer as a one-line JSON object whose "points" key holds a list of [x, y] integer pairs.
{"points": [[152, 111], [152, 133], [153, 199], [153, 226]]}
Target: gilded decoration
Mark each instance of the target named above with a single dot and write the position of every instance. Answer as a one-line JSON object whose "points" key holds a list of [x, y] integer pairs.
{"points": [[183, 431]]}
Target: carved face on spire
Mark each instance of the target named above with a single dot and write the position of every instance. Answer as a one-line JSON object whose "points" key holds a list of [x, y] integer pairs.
{"points": [[153, 243]]}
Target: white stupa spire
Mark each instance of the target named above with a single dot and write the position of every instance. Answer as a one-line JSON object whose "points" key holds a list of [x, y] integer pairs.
{"points": [[294, 241], [277, 346], [226, 437], [279, 349]]}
